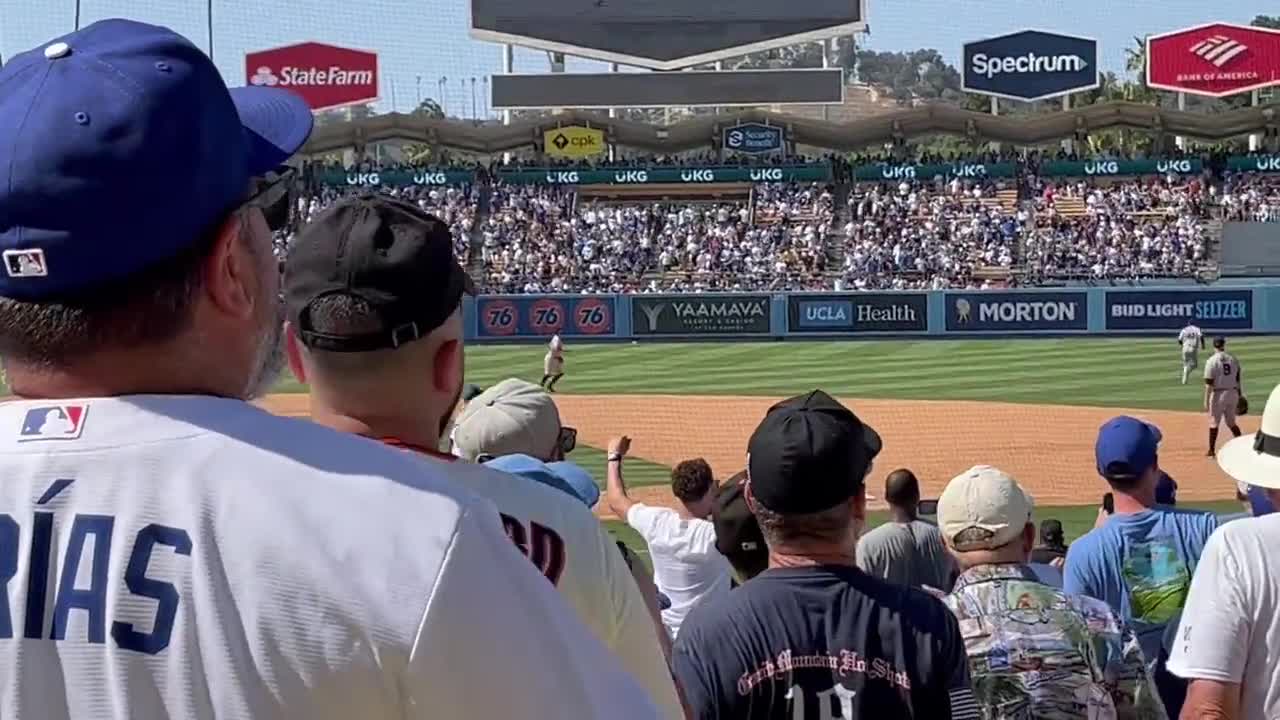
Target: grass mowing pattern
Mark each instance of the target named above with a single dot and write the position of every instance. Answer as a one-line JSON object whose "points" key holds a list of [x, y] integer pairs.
{"points": [[1117, 372]]}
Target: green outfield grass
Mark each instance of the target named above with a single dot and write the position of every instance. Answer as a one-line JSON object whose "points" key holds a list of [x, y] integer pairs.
{"points": [[1112, 372]]}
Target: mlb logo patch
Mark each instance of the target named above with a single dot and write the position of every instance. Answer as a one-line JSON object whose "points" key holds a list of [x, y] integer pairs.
{"points": [[53, 422], [25, 263]]}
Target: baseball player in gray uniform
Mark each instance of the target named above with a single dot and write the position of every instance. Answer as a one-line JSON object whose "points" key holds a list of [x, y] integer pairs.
{"points": [[1191, 338], [1222, 390], [553, 364]]}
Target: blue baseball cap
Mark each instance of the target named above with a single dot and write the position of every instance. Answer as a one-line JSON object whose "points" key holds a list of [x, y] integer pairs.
{"points": [[121, 146], [564, 476], [1126, 447]]}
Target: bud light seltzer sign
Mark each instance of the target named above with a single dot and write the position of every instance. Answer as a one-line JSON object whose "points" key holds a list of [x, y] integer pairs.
{"points": [[325, 76]]}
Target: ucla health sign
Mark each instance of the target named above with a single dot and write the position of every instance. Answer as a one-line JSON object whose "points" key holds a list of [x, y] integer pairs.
{"points": [[752, 138], [1030, 65], [858, 313], [1004, 312], [1174, 309]]}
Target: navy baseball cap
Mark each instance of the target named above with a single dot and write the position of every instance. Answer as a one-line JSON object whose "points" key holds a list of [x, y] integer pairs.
{"points": [[1126, 447], [121, 146]]}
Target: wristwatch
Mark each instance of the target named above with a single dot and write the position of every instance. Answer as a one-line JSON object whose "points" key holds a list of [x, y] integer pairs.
{"points": [[615, 457]]}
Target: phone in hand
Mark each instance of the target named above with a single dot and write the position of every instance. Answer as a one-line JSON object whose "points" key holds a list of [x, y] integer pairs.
{"points": [[1109, 503]]}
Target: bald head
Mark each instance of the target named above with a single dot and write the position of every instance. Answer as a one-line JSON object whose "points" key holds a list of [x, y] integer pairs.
{"points": [[902, 490]]}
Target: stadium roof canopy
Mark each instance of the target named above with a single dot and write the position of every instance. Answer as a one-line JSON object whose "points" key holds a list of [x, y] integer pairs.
{"points": [[930, 119]]}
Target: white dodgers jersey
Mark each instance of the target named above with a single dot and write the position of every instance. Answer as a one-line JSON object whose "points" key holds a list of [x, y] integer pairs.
{"points": [[566, 542], [1223, 370], [1190, 338], [196, 557]]}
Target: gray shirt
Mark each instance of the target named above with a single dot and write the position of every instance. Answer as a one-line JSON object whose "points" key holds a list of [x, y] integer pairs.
{"points": [[906, 554]]}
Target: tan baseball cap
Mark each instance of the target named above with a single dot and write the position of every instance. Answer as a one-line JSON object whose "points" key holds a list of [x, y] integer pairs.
{"points": [[987, 498], [510, 418]]}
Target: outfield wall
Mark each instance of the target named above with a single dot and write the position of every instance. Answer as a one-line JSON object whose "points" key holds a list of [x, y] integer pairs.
{"points": [[1233, 310]]}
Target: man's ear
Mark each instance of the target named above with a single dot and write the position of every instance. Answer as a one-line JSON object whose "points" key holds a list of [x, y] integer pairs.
{"points": [[229, 273], [859, 502], [749, 496], [446, 366], [293, 349]]}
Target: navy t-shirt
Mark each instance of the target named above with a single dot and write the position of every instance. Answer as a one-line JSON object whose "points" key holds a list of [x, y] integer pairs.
{"points": [[824, 642]]}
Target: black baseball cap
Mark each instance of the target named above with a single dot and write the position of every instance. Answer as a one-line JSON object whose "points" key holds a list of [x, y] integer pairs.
{"points": [[1051, 533], [809, 454], [1220, 342], [391, 254], [738, 535]]}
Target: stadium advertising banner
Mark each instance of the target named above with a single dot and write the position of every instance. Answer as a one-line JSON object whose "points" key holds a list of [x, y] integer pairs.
{"points": [[326, 76], [643, 176], [1030, 65], [700, 314], [503, 316], [1005, 312], [1254, 163], [752, 138], [1066, 168], [1216, 60], [925, 172], [1173, 310], [858, 313], [394, 178], [574, 142]]}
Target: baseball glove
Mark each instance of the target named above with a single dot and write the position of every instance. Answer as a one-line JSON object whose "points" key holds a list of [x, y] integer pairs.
{"points": [[1242, 406]]}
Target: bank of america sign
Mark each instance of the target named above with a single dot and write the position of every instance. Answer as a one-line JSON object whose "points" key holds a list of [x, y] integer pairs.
{"points": [[1030, 65]]}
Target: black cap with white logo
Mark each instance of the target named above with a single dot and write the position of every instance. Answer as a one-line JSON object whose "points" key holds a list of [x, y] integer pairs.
{"points": [[389, 253]]}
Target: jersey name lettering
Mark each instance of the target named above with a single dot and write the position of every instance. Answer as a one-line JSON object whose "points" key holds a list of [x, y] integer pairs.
{"points": [[81, 586], [542, 545]]}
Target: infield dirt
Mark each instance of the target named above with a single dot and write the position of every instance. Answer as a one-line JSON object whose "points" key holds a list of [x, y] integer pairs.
{"points": [[1048, 448]]}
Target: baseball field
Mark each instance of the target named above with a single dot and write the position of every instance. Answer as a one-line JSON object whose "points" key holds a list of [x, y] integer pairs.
{"points": [[1031, 407]]}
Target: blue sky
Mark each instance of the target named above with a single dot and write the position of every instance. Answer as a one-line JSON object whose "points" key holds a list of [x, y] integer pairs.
{"points": [[422, 41]]}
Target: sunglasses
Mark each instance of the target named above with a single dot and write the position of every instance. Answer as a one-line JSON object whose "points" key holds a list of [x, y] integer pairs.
{"points": [[271, 195]]}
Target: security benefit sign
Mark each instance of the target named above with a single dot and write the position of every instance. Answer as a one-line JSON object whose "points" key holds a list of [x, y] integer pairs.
{"points": [[1030, 65], [1173, 309], [752, 138], [1001, 312], [858, 313], [700, 315], [573, 142], [532, 316]]}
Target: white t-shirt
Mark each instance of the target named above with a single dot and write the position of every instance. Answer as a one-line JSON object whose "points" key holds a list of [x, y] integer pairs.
{"points": [[569, 546], [1190, 338], [687, 568], [197, 557], [1230, 629]]}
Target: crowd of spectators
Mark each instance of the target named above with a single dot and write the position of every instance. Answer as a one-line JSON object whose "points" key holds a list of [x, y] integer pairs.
{"points": [[910, 235], [1251, 197], [926, 235], [1133, 229]]}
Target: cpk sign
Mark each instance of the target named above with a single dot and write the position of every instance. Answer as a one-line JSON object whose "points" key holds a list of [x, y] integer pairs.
{"points": [[1218, 59], [325, 76]]}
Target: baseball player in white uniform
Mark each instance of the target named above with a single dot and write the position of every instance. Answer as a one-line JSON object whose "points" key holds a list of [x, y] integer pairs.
{"points": [[553, 364], [1191, 339], [1222, 390], [376, 330], [167, 550]]}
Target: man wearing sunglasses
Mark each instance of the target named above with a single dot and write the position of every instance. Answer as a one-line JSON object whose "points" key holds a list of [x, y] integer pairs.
{"points": [[374, 302], [166, 548]]}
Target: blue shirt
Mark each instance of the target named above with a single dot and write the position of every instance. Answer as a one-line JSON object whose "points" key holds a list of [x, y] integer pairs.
{"points": [[1141, 565]]}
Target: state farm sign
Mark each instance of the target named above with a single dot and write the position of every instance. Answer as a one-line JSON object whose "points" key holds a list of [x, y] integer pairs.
{"points": [[325, 76], [1218, 59]]}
